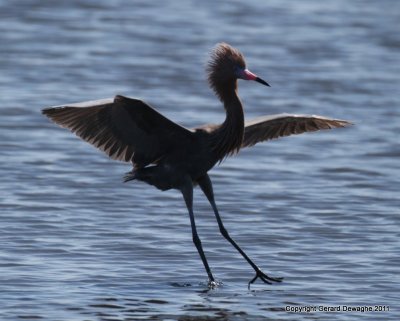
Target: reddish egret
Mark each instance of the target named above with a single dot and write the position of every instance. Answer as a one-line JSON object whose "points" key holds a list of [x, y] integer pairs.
{"points": [[169, 156]]}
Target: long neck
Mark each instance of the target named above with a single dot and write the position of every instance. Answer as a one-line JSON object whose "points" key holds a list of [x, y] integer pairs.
{"points": [[228, 137]]}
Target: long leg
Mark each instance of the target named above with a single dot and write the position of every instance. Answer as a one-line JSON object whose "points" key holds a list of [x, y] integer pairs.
{"points": [[206, 186], [187, 192]]}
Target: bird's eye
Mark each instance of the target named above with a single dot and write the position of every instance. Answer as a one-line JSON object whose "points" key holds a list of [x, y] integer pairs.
{"points": [[238, 71]]}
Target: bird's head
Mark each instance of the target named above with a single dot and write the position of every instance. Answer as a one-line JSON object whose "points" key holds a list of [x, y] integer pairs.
{"points": [[226, 65]]}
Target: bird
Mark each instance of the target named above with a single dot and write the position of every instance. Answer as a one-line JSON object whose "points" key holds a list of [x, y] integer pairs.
{"points": [[168, 156]]}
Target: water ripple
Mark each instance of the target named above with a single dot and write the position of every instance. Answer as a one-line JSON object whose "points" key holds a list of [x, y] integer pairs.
{"points": [[321, 209]]}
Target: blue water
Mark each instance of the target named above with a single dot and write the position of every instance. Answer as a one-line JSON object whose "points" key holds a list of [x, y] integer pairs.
{"points": [[320, 209]]}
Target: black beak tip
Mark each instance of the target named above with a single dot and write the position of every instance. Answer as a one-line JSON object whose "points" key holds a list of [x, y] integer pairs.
{"points": [[263, 82]]}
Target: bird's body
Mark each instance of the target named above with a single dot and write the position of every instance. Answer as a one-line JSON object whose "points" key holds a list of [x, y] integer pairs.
{"points": [[169, 156]]}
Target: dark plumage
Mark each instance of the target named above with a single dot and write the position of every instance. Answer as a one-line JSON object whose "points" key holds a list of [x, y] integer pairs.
{"points": [[167, 155], [224, 60]]}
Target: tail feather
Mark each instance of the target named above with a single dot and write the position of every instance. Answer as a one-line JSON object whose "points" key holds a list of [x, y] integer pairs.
{"points": [[129, 176]]}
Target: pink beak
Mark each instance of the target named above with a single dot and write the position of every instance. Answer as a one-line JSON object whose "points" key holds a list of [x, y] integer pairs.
{"points": [[248, 75]]}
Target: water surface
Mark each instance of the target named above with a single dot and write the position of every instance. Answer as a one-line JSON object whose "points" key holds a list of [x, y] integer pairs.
{"points": [[320, 209]]}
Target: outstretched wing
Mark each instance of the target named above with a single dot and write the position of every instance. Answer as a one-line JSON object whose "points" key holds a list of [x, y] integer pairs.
{"points": [[275, 126], [124, 128]]}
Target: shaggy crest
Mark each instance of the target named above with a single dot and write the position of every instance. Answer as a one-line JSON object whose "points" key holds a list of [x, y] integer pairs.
{"points": [[224, 59]]}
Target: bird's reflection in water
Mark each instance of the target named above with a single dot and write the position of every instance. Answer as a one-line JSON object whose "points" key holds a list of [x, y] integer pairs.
{"points": [[207, 304], [107, 309]]}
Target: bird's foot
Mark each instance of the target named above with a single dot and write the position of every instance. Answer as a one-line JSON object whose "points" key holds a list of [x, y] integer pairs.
{"points": [[265, 278], [212, 284]]}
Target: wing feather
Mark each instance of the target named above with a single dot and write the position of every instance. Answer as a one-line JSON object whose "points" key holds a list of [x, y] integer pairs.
{"points": [[275, 126], [125, 129]]}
